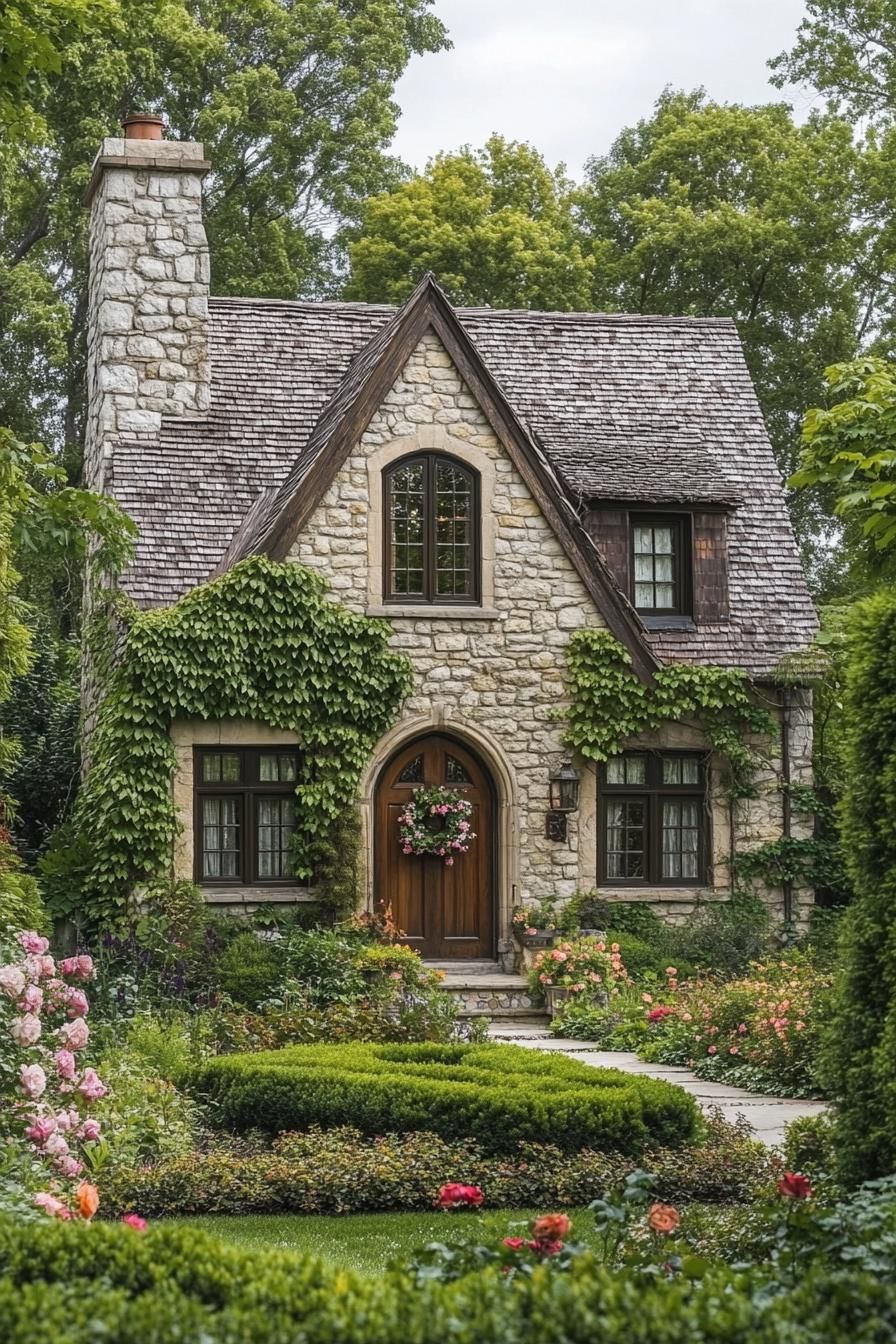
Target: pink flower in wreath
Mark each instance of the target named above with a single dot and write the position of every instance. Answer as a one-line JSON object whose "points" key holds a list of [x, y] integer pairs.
{"points": [[449, 862]]}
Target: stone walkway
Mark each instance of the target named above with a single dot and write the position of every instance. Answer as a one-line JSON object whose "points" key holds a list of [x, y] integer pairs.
{"points": [[767, 1115]]}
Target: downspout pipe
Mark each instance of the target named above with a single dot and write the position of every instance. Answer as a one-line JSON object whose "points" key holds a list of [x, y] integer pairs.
{"points": [[786, 816]]}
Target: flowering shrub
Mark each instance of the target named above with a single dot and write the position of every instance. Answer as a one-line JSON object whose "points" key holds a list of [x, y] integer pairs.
{"points": [[436, 821], [529, 919], [762, 1031], [456, 1196], [586, 966], [45, 1088]]}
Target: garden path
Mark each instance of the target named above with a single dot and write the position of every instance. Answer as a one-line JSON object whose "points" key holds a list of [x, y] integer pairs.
{"points": [[768, 1116]]}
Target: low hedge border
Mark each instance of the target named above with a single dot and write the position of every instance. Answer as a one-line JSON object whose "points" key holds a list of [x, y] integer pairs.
{"points": [[77, 1284], [342, 1171], [498, 1095]]}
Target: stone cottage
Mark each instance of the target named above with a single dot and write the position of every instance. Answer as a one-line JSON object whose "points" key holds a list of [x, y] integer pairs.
{"points": [[488, 482]]}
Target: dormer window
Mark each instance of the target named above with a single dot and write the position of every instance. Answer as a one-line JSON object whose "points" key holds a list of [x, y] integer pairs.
{"points": [[432, 531], [660, 564]]}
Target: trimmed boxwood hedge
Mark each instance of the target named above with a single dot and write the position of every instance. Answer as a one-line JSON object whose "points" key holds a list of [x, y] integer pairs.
{"points": [[81, 1284], [499, 1095]]}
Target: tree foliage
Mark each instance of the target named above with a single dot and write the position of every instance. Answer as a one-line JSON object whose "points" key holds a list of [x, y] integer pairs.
{"points": [[495, 225], [845, 49], [861, 1050], [294, 105], [850, 446]]}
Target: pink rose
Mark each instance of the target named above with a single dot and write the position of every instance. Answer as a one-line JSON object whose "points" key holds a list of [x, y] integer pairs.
{"points": [[33, 943], [76, 1004], [53, 1206], [56, 1145], [12, 981], [70, 1166], [74, 1035], [66, 1065], [40, 1129], [89, 1131], [712, 1050], [47, 968], [33, 999], [135, 1221], [25, 1030], [91, 1086], [67, 1120], [32, 1079], [79, 968]]}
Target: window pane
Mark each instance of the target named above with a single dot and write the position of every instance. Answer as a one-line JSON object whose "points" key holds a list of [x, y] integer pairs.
{"points": [[672, 769], [275, 824], [690, 770], [635, 769], [664, 596], [221, 837], [625, 838], [453, 502], [644, 568], [681, 840], [616, 770], [662, 568], [221, 767], [644, 595], [407, 523], [276, 767], [662, 540], [643, 541]]}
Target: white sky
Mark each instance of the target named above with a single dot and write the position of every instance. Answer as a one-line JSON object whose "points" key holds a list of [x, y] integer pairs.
{"points": [[568, 74]]}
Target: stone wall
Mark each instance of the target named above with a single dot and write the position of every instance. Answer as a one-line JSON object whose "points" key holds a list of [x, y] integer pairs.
{"points": [[147, 332]]}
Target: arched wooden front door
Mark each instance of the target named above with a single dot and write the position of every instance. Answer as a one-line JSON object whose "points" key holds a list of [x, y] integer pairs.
{"points": [[446, 913]]}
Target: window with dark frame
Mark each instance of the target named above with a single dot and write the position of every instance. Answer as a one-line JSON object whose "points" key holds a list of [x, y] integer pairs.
{"points": [[653, 819], [432, 531], [660, 564], [245, 815]]}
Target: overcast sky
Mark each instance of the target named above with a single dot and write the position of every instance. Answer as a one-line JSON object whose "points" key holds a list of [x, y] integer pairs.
{"points": [[568, 74]]}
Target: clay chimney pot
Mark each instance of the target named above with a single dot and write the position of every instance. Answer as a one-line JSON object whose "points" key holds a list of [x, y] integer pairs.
{"points": [[143, 126]]}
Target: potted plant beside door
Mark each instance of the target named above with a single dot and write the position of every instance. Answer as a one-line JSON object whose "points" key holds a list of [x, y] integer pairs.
{"points": [[534, 926]]}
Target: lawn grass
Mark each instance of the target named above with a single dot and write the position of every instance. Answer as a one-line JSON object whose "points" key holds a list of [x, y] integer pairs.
{"points": [[368, 1242]]}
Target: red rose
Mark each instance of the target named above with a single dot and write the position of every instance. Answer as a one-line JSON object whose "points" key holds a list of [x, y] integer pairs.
{"points": [[551, 1227], [545, 1247], [514, 1243], [795, 1186], [457, 1196]]}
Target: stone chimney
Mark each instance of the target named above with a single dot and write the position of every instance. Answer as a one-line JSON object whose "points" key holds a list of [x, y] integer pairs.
{"points": [[147, 335]]}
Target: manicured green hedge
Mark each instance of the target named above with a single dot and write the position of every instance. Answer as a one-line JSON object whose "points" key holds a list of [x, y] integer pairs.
{"points": [[499, 1095], [81, 1284], [344, 1171]]}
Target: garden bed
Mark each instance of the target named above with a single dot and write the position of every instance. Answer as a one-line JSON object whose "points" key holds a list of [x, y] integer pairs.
{"points": [[497, 1095]]}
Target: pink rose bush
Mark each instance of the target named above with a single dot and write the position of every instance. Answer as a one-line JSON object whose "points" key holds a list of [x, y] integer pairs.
{"points": [[585, 966], [44, 1087]]}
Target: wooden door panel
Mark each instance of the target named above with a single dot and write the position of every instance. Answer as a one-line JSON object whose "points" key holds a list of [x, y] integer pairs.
{"points": [[445, 912]]}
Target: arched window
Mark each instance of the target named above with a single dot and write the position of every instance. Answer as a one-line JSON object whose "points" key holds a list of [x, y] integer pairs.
{"points": [[432, 531]]}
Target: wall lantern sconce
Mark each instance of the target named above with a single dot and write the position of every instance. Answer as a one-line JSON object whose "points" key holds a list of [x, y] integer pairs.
{"points": [[564, 794]]}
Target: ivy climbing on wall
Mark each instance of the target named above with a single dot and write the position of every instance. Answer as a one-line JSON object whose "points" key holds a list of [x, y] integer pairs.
{"points": [[263, 642], [610, 704]]}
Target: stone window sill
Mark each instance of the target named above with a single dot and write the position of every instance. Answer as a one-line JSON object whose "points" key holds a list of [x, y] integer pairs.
{"points": [[656, 894], [436, 613], [669, 623], [256, 895]]}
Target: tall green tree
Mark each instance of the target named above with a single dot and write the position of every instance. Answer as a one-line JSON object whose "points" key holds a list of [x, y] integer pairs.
{"points": [[845, 49], [294, 103], [496, 225], [708, 209]]}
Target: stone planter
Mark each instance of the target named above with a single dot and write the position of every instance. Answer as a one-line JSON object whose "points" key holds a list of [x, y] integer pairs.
{"points": [[556, 996], [541, 938]]}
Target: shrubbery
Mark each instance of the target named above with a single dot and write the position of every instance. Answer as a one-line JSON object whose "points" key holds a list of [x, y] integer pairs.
{"points": [[344, 1171], [498, 1095], [76, 1284]]}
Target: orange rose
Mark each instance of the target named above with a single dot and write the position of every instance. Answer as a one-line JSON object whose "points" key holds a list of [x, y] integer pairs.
{"points": [[663, 1218], [88, 1200], [551, 1227]]}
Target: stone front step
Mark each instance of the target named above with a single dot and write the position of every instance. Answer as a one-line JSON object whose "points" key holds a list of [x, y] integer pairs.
{"points": [[484, 990]]}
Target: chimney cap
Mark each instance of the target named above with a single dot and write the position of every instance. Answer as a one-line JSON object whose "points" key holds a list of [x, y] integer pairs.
{"points": [[143, 126]]}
